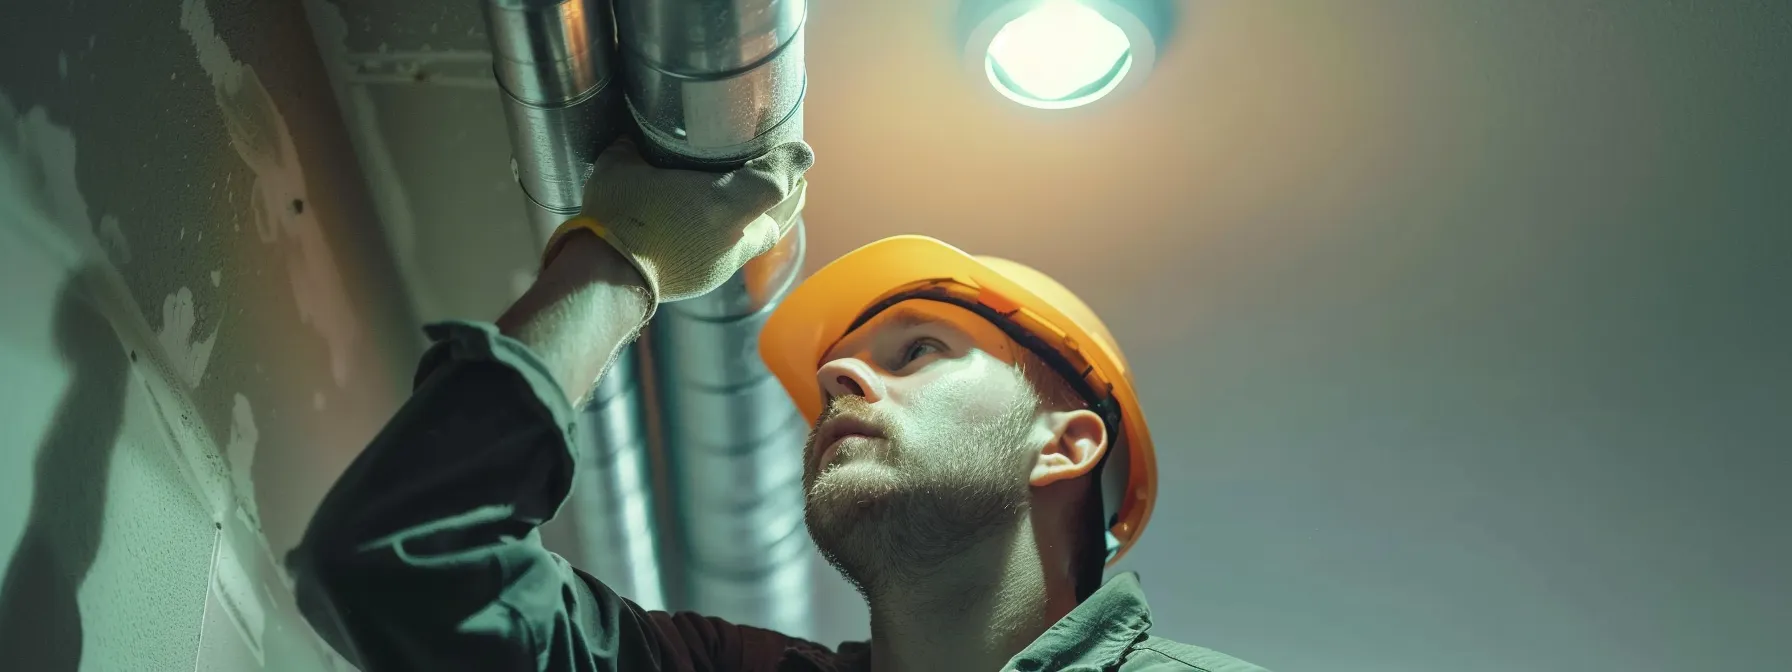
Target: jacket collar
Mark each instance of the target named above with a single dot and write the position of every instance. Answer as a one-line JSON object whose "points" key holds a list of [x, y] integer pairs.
{"points": [[1097, 633]]}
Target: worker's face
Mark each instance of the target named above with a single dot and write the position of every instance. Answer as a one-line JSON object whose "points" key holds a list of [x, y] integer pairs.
{"points": [[928, 441]]}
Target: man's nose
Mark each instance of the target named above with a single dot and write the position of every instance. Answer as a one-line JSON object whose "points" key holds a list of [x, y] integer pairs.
{"points": [[849, 376]]}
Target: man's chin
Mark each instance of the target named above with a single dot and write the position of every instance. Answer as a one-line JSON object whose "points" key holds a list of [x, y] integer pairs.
{"points": [[852, 485], [845, 496], [848, 519]]}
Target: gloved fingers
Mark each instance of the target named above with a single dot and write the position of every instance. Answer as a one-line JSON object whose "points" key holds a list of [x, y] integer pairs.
{"points": [[785, 212], [760, 236], [621, 170], [769, 179], [621, 154], [790, 159], [771, 175], [782, 163]]}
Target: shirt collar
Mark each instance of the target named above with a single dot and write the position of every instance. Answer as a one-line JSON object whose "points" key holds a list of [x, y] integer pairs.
{"points": [[1096, 633]]}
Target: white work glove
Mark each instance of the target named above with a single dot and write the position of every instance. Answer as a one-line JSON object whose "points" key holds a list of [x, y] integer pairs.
{"points": [[687, 231]]}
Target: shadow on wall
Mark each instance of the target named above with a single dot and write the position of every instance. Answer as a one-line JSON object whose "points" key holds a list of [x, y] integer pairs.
{"points": [[40, 620]]}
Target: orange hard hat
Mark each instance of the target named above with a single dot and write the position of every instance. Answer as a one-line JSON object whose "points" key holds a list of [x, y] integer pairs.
{"points": [[1032, 308]]}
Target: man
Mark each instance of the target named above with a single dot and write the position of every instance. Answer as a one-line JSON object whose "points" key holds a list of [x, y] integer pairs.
{"points": [[979, 456]]}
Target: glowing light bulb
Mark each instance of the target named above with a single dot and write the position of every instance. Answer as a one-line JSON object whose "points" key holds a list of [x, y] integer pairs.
{"points": [[1061, 54]]}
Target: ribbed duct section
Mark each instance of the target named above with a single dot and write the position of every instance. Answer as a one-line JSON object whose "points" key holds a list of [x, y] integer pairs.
{"points": [[711, 84], [734, 447], [611, 507]]}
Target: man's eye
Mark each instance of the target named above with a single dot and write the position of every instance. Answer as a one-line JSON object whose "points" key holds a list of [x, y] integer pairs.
{"points": [[920, 347]]}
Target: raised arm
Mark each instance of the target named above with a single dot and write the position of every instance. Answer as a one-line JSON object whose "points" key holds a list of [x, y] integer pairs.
{"points": [[426, 552], [585, 305]]}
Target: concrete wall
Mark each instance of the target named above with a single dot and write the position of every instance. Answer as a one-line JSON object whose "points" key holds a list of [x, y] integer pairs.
{"points": [[201, 327]]}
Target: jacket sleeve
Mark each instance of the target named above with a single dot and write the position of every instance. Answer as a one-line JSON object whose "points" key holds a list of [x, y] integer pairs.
{"points": [[425, 555]]}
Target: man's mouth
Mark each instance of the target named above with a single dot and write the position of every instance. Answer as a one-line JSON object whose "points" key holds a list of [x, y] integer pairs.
{"points": [[837, 431]]}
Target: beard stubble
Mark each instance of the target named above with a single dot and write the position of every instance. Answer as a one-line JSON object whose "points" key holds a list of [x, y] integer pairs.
{"points": [[891, 509]]}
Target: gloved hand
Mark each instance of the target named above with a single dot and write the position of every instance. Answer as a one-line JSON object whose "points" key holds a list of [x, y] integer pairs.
{"points": [[687, 231]]}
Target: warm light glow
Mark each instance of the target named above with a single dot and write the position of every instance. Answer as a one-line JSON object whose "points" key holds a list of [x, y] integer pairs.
{"points": [[1062, 54]]}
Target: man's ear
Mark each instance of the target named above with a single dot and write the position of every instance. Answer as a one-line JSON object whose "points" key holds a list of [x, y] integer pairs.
{"points": [[1079, 439]]}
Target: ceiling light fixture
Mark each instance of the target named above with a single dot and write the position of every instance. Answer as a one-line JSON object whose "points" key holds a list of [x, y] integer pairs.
{"points": [[1059, 54]]}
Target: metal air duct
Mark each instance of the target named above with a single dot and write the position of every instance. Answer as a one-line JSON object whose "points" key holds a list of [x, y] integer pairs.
{"points": [[711, 84], [554, 62]]}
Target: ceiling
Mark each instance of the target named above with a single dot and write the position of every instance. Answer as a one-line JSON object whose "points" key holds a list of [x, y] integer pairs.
{"points": [[1457, 322]]}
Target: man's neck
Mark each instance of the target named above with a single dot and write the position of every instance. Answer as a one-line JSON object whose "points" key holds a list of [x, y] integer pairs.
{"points": [[974, 612]]}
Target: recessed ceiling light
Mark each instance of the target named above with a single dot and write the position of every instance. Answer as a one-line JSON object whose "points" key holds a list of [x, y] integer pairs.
{"points": [[1058, 54]]}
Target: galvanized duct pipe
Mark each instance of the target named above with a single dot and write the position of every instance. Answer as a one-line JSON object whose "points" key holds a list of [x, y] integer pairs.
{"points": [[710, 84], [612, 503], [554, 61], [734, 446]]}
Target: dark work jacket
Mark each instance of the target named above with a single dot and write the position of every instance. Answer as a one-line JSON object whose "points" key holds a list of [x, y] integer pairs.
{"points": [[425, 555]]}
